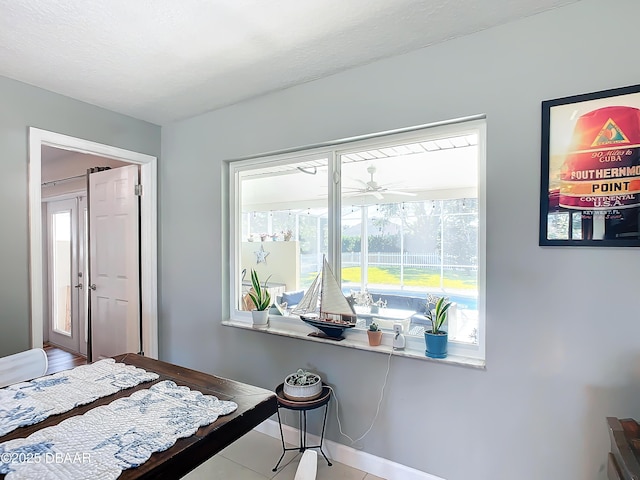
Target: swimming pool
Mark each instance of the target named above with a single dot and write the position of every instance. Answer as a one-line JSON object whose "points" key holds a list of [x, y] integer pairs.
{"points": [[467, 302]]}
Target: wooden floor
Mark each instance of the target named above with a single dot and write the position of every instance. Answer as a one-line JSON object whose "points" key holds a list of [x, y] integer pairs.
{"points": [[60, 359]]}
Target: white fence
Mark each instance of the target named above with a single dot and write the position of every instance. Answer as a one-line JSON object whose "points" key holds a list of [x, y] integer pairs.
{"points": [[386, 259], [419, 260], [312, 262]]}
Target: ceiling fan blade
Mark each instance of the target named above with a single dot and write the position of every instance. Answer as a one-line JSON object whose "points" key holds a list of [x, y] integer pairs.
{"points": [[373, 188], [394, 192], [378, 195]]}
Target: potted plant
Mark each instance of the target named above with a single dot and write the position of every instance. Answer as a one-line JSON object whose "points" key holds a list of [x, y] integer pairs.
{"points": [[375, 334], [261, 299], [302, 386], [436, 339]]}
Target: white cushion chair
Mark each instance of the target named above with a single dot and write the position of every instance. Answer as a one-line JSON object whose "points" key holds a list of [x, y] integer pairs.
{"points": [[23, 366], [308, 466]]}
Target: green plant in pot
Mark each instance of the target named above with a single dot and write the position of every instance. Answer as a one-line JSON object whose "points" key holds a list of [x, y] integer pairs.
{"points": [[261, 299], [436, 339], [375, 334]]}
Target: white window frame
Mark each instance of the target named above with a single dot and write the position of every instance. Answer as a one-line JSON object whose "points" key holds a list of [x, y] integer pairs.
{"points": [[462, 353]]}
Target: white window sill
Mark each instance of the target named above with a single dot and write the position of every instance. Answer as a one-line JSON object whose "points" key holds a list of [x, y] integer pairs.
{"points": [[354, 338]]}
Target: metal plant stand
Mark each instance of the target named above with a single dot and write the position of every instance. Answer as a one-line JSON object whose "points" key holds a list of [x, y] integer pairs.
{"points": [[303, 407]]}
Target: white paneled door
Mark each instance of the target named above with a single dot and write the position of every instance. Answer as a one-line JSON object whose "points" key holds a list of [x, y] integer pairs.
{"points": [[114, 262]]}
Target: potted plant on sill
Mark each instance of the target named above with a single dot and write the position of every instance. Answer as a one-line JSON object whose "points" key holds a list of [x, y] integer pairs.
{"points": [[436, 339], [302, 386], [261, 299], [375, 334]]}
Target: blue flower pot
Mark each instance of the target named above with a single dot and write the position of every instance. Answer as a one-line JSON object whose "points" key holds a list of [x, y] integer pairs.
{"points": [[436, 344]]}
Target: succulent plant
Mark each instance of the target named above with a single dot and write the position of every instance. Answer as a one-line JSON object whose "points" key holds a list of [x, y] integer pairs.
{"points": [[302, 377], [438, 315], [260, 296]]}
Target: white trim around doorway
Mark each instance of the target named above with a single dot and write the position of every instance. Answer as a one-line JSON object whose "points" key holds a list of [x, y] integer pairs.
{"points": [[148, 229]]}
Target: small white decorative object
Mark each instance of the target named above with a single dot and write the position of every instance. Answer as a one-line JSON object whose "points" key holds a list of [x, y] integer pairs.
{"points": [[302, 386], [261, 255]]}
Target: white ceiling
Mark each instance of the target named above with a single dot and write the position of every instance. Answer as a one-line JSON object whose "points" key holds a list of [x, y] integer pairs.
{"points": [[165, 60]]}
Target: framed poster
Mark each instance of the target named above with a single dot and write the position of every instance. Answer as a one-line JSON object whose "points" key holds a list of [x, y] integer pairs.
{"points": [[590, 175]]}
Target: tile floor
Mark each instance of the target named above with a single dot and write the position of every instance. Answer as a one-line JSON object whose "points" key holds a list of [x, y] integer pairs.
{"points": [[253, 456]]}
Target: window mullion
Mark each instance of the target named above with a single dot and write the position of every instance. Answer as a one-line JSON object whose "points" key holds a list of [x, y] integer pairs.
{"points": [[334, 215]]}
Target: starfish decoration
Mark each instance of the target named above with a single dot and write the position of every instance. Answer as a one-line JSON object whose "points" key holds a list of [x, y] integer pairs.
{"points": [[261, 255], [39, 385], [142, 403]]}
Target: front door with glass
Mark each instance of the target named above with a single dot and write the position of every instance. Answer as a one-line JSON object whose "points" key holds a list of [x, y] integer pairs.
{"points": [[65, 282]]}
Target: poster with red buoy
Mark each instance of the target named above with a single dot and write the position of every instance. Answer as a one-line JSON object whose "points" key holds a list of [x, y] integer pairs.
{"points": [[590, 169]]}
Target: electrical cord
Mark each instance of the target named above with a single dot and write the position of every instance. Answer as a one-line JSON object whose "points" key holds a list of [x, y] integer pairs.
{"points": [[377, 409]]}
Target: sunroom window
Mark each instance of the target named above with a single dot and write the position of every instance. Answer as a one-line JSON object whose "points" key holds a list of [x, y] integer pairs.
{"points": [[397, 216]]}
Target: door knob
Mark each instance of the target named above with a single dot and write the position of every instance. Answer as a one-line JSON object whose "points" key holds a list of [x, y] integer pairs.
{"points": [[78, 286], [92, 286]]}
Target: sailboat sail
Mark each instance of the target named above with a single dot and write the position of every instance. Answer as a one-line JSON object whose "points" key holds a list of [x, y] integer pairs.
{"points": [[309, 301], [332, 300]]}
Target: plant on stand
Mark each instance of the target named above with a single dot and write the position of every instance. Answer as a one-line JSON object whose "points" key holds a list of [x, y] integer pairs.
{"points": [[261, 299], [436, 339], [302, 385], [375, 334]]}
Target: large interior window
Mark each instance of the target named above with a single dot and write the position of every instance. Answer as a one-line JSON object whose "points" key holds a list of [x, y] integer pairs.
{"points": [[398, 217]]}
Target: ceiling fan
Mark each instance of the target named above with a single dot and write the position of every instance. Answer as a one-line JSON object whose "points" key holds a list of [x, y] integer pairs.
{"points": [[374, 188]]}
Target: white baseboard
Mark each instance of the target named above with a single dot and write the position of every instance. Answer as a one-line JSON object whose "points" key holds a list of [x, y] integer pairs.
{"points": [[349, 456]]}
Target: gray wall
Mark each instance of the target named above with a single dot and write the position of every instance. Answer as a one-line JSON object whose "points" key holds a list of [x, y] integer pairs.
{"points": [[563, 332], [24, 106]]}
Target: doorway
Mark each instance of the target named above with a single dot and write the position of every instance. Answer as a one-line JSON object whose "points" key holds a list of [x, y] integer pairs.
{"points": [[148, 228], [66, 287]]}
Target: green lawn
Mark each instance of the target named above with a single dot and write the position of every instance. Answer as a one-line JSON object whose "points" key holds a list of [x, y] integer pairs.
{"points": [[417, 277]]}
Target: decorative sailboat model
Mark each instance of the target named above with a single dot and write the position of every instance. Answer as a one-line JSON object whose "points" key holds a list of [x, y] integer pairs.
{"points": [[336, 313]]}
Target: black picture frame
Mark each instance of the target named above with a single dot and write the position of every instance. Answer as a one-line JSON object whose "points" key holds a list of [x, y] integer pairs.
{"points": [[590, 169]]}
